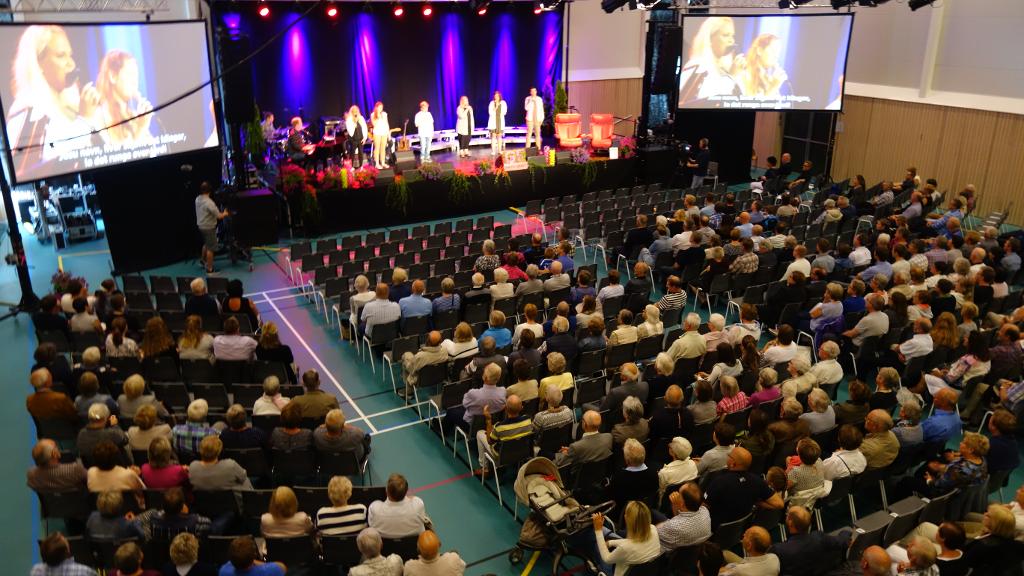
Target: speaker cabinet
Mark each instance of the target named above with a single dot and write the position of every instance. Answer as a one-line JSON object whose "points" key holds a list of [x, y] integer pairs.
{"points": [[405, 160], [237, 96]]}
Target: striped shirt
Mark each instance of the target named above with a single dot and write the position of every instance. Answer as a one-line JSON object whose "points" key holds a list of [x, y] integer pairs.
{"points": [[379, 311], [341, 520], [512, 428], [546, 420], [672, 300]]}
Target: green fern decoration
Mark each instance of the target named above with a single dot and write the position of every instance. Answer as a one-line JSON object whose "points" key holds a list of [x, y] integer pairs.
{"points": [[397, 197]]}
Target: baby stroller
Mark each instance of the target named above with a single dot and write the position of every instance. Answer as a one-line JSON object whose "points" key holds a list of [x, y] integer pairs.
{"points": [[554, 514]]}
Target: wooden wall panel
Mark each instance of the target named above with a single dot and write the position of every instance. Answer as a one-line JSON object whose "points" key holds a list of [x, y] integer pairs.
{"points": [[956, 146], [620, 97], [767, 136]]}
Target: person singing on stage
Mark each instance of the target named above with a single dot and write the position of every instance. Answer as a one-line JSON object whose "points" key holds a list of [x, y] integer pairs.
{"points": [[298, 149], [424, 121], [118, 85], [534, 117], [381, 133], [355, 127], [496, 111], [464, 125]]}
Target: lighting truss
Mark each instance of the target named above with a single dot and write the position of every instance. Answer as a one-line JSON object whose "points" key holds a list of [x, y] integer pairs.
{"points": [[55, 6]]}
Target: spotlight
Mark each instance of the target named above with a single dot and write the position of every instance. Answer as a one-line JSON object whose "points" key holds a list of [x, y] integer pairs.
{"points": [[482, 10], [915, 4], [264, 10], [480, 6], [427, 10], [397, 9], [537, 8], [550, 5], [332, 10]]}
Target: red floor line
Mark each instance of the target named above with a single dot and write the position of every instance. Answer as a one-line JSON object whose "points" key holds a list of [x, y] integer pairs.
{"points": [[440, 483]]}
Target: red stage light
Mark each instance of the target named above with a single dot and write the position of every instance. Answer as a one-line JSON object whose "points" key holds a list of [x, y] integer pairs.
{"points": [[537, 9], [427, 10], [264, 10], [332, 10], [482, 11], [398, 11]]}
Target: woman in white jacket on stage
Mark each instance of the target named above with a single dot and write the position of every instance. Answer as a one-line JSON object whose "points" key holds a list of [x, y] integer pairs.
{"points": [[496, 111], [464, 125]]}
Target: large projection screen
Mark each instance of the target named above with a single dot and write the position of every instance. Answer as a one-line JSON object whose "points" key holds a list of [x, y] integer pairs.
{"points": [[764, 62], [74, 89]]}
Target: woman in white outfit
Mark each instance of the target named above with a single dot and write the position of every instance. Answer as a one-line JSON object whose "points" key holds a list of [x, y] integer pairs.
{"points": [[424, 121], [464, 125], [381, 133], [355, 126], [496, 123]]}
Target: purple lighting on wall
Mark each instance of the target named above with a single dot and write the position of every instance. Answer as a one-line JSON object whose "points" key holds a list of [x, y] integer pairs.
{"points": [[232, 20], [503, 65], [298, 67], [450, 69], [550, 61], [364, 80]]}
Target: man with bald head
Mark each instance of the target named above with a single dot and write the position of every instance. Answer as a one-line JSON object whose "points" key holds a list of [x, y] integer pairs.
{"points": [[593, 446], [430, 353], [415, 304], [875, 562], [630, 385], [690, 523], [757, 560], [880, 446], [744, 226], [489, 396], [515, 425], [50, 474], [736, 490], [430, 562], [806, 553], [672, 419], [944, 422], [558, 280], [46, 403]]}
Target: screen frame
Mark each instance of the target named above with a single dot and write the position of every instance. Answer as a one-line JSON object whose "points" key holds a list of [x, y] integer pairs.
{"points": [[846, 57], [213, 95]]}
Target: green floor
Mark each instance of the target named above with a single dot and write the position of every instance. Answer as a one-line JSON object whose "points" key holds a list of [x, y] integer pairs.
{"points": [[466, 515]]}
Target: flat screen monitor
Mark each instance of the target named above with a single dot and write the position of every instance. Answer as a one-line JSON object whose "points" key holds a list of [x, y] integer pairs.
{"points": [[86, 96], [764, 62]]}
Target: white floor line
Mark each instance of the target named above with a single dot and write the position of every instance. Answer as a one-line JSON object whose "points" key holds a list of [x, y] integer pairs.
{"points": [[279, 298], [393, 410], [319, 363], [400, 426], [271, 291]]}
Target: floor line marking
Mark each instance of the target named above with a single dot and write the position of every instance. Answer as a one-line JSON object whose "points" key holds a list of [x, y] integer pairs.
{"points": [[285, 297], [271, 291], [529, 565], [440, 483], [400, 426], [399, 409], [320, 363]]}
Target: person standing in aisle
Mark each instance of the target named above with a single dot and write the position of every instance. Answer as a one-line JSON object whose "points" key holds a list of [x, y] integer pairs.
{"points": [[464, 125], [534, 117], [496, 111], [424, 122], [381, 133]]}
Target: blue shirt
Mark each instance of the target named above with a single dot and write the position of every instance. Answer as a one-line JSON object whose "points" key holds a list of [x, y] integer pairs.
{"points": [[707, 210], [853, 303], [268, 569], [746, 230], [756, 217], [567, 263], [502, 336], [940, 426], [941, 222], [415, 305], [1010, 262], [883, 268], [67, 568], [445, 303]]}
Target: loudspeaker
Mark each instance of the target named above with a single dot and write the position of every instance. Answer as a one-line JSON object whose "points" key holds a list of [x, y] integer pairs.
{"points": [[670, 49], [237, 96], [255, 218], [405, 160], [385, 177]]}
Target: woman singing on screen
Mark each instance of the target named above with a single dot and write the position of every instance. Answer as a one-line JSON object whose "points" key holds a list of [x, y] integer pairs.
{"points": [[496, 123], [762, 75], [120, 99], [464, 125], [381, 133], [710, 67], [355, 127]]}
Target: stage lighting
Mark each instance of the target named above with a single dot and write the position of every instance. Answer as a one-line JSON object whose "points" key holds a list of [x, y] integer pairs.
{"points": [[397, 9], [480, 6], [915, 4], [264, 10], [332, 10], [481, 10], [537, 9], [427, 10]]}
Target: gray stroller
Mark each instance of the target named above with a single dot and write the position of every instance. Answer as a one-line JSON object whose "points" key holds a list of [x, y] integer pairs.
{"points": [[554, 514]]}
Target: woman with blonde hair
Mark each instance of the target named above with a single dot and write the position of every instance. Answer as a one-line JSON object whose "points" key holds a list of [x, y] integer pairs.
{"points": [[147, 428], [195, 343], [529, 323], [381, 134], [762, 75], [270, 349], [184, 555], [968, 315], [463, 344], [283, 518], [133, 398], [355, 126], [496, 329], [557, 376], [944, 332], [652, 324], [641, 544], [340, 518], [162, 471], [501, 289], [120, 99], [464, 125], [157, 341]]}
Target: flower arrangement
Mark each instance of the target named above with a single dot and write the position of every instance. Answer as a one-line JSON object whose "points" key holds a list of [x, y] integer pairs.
{"points": [[627, 147], [579, 155], [459, 186], [397, 196], [61, 279], [332, 179], [364, 177], [483, 167], [292, 179], [431, 171]]}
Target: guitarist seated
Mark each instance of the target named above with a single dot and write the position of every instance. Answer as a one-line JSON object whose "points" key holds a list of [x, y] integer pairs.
{"points": [[298, 147]]}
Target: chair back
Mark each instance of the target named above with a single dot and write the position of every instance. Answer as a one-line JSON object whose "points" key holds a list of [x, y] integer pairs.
{"points": [[729, 534], [905, 514], [648, 347], [72, 504], [338, 464], [253, 460], [340, 551], [311, 499], [515, 451], [404, 547], [293, 464], [567, 126], [552, 440], [214, 503], [702, 437], [652, 568], [868, 531], [296, 551], [602, 127], [739, 418]]}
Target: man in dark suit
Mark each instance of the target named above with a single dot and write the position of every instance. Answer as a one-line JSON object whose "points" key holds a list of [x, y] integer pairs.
{"points": [[629, 375], [593, 446], [200, 303], [49, 318], [807, 553]]}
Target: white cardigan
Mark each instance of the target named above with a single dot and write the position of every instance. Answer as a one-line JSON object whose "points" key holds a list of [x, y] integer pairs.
{"points": [[491, 120]]}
